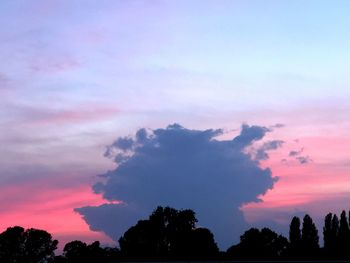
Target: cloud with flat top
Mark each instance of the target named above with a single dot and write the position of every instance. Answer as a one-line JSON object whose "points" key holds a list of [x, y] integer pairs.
{"points": [[182, 168]]}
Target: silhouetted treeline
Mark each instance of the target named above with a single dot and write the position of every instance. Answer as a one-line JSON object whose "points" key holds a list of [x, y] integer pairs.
{"points": [[303, 243], [18, 245], [170, 234], [336, 235], [77, 251]]}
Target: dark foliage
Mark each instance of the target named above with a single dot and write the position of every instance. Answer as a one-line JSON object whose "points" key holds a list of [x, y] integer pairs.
{"points": [[309, 238], [27, 246], [294, 250], [77, 251], [168, 234], [343, 236], [328, 232], [336, 235], [202, 244], [257, 244]]}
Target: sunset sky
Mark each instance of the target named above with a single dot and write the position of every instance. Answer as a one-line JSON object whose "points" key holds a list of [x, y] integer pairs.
{"points": [[76, 75]]}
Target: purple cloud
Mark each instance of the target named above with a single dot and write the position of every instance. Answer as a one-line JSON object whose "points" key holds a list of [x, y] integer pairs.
{"points": [[182, 168]]}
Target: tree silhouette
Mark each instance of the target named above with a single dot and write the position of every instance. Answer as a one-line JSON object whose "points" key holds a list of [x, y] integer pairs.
{"points": [[29, 246], [202, 244], [95, 252], [330, 234], [11, 244], [167, 234], [38, 246], [335, 232], [343, 235], [328, 231], [140, 241], [309, 238], [77, 251], [259, 245], [170, 234], [294, 238]]}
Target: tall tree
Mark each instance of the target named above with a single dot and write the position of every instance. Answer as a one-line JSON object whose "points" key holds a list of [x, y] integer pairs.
{"points": [[335, 231], [294, 237], [330, 235], [309, 238], [327, 232], [343, 235]]}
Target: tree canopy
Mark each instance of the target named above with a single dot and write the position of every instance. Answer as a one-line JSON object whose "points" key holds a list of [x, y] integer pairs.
{"points": [[257, 244], [168, 234], [27, 246]]}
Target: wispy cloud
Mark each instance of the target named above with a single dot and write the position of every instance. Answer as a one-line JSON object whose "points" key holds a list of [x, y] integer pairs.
{"points": [[52, 65], [297, 155], [73, 116]]}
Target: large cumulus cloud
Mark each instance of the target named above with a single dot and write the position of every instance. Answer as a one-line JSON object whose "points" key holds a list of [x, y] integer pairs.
{"points": [[182, 168]]}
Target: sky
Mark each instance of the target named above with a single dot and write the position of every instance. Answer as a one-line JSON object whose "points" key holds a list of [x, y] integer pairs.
{"points": [[89, 89]]}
